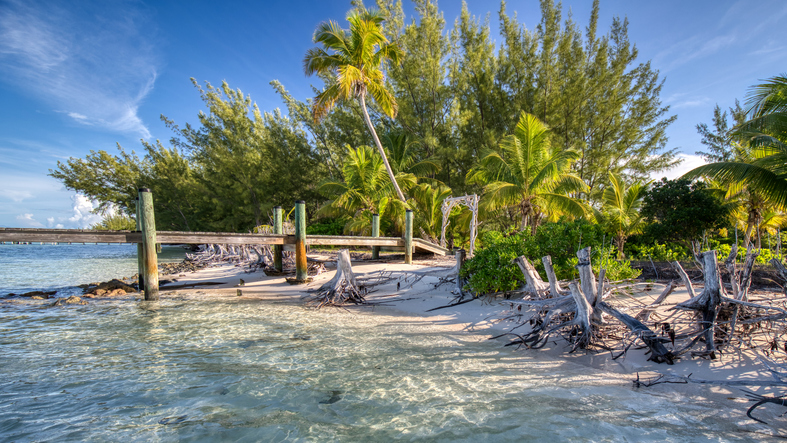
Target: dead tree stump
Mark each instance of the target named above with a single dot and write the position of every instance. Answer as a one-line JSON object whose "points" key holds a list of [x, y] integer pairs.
{"points": [[707, 303], [342, 288], [533, 284]]}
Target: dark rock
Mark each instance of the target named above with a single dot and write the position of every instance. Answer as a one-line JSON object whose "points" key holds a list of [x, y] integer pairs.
{"points": [[108, 287], [42, 294]]}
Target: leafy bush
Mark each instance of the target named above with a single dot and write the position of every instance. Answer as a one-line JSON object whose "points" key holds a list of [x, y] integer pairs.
{"points": [[332, 226], [659, 252], [616, 269], [723, 251], [491, 270]]}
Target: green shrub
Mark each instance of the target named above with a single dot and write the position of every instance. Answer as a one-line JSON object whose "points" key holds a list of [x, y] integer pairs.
{"points": [[659, 252], [491, 270], [723, 251], [332, 226]]}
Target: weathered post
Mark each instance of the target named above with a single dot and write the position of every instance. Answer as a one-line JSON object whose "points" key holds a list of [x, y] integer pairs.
{"points": [[300, 242], [278, 228], [375, 233], [149, 244], [460, 256], [140, 251], [408, 237]]}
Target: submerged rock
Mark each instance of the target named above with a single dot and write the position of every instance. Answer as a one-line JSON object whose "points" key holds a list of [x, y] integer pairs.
{"points": [[39, 294], [109, 289], [72, 300]]}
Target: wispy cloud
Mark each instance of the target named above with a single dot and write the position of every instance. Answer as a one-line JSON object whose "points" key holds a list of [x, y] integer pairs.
{"points": [[27, 221], [743, 23], [93, 62], [687, 163]]}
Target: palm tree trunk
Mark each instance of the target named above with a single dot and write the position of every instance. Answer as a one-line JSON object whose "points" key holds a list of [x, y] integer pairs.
{"points": [[366, 118]]}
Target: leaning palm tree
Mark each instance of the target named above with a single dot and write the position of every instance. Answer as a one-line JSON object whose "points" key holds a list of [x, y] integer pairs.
{"points": [[765, 133], [621, 209], [356, 57], [529, 174]]}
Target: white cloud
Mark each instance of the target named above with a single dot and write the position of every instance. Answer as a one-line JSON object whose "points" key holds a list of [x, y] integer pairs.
{"points": [[83, 216], [27, 221], [96, 69], [688, 162]]}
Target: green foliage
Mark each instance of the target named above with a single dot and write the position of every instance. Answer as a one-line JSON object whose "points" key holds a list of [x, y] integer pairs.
{"points": [[491, 270], [331, 226], [355, 59], [659, 252], [115, 222], [723, 251], [588, 88], [615, 269], [364, 190], [679, 210], [526, 173], [620, 211], [220, 176]]}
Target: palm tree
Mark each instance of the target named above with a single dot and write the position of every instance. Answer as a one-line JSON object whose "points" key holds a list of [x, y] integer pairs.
{"points": [[621, 209], [766, 135], [428, 200], [529, 174], [356, 57], [364, 191], [403, 159]]}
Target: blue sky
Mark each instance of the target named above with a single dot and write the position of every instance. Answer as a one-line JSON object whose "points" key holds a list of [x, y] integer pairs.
{"points": [[85, 75]]}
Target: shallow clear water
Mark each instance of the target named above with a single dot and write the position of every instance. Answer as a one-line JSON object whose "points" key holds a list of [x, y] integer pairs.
{"points": [[210, 369], [26, 268]]}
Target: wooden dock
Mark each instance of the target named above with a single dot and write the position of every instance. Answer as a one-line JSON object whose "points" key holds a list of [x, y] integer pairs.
{"points": [[200, 238], [148, 239]]}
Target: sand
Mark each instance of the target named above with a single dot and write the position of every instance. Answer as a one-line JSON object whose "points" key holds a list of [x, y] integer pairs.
{"points": [[418, 292]]}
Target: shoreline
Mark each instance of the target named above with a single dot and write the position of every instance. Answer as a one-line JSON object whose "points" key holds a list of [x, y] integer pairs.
{"points": [[416, 294], [480, 318]]}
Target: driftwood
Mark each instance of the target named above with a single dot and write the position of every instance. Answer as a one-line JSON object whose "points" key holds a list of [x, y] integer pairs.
{"points": [[658, 352], [533, 283], [342, 289], [554, 285], [707, 302], [644, 315], [579, 314]]}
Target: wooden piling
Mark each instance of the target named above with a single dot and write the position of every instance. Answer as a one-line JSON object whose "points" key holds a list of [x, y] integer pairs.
{"points": [[375, 233], [278, 228], [140, 251], [300, 242], [408, 237], [149, 244]]}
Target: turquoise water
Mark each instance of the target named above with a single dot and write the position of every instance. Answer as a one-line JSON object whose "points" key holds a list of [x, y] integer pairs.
{"points": [[25, 268], [202, 367]]}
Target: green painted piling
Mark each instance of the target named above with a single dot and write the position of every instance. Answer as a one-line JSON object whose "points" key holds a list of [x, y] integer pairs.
{"points": [[149, 244], [278, 228], [301, 273], [375, 233], [408, 237], [140, 251]]}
